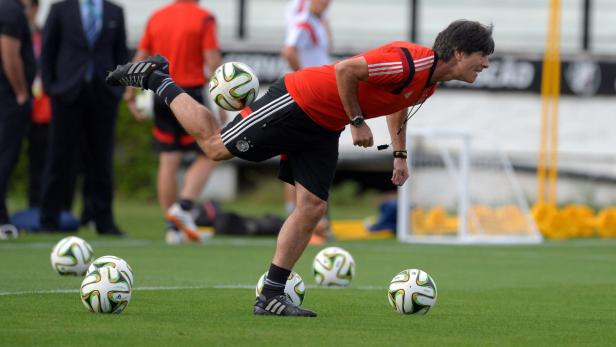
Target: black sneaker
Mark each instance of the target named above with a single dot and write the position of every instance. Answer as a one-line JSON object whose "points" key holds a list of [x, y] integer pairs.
{"points": [[137, 74], [280, 305]]}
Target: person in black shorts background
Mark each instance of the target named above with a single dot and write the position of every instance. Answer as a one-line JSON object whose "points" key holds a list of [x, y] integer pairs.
{"points": [[171, 31]]}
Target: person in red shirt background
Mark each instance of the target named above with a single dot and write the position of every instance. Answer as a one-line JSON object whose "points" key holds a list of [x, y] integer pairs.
{"points": [[187, 35], [303, 115]]}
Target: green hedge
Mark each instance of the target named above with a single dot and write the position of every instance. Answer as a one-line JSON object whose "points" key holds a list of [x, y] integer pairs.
{"points": [[135, 161]]}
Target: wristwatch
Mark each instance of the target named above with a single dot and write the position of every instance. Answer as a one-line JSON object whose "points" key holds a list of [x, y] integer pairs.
{"points": [[400, 154], [357, 121]]}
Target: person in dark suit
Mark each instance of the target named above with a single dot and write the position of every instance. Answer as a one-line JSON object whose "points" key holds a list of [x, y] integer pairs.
{"points": [[82, 40], [17, 70]]}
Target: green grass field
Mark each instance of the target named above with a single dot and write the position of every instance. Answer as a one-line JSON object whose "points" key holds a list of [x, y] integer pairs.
{"points": [[558, 293]]}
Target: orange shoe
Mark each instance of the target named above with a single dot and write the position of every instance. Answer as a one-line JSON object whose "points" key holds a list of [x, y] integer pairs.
{"points": [[319, 235], [183, 221], [317, 240]]}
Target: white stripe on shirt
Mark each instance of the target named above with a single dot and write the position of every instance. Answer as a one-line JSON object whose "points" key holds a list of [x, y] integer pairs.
{"points": [[385, 64], [386, 73], [385, 68], [422, 59], [427, 63]]}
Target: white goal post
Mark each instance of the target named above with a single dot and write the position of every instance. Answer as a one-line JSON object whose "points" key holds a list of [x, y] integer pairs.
{"points": [[450, 198]]}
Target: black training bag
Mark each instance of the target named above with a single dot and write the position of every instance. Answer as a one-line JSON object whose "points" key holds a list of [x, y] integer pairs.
{"points": [[229, 223]]}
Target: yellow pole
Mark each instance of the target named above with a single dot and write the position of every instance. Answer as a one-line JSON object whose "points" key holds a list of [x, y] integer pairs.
{"points": [[553, 176], [543, 140], [550, 91]]}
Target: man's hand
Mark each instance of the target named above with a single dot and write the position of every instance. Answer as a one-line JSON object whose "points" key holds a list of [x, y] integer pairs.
{"points": [[362, 135], [401, 172], [129, 97], [13, 67], [21, 98]]}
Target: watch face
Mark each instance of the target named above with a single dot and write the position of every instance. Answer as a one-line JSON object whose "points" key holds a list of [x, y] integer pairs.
{"points": [[357, 121]]}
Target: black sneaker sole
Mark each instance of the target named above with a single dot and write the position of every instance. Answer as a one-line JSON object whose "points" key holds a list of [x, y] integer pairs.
{"points": [[262, 312]]}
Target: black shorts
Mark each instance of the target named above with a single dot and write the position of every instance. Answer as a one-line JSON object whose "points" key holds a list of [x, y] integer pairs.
{"points": [[169, 135], [276, 125]]}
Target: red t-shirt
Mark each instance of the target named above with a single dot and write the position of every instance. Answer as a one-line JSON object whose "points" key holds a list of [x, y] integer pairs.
{"points": [[398, 77], [181, 31]]}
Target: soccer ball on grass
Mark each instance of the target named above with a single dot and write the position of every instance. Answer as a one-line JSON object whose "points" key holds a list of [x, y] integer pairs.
{"points": [[234, 86], [114, 262], [412, 291], [333, 266], [105, 290], [71, 256], [295, 288]]}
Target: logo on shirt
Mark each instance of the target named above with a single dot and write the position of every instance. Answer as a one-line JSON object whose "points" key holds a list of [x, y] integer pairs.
{"points": [[407, 95]]}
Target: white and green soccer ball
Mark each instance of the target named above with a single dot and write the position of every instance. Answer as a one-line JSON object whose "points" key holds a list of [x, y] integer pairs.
{"points": [[333, 266], [412, 291], [105, 290], [145, 103], [234, 86], [115, 262], [71, 256], [295, 288]]}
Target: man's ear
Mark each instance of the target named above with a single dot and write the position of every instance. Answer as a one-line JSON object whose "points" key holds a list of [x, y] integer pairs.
{"points": [[458, 54]]}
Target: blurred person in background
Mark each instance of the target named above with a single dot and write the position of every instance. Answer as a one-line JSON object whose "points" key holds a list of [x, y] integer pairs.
{"points": [[38, 133], [307, 43], [298, 11], [303, 115], [187, 35], [38, 139], [41, 116], [82, 40], [17, 71], [295, 11]]}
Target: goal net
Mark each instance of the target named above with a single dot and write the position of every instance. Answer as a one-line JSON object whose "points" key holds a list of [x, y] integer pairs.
{"points": [[453, 197]]}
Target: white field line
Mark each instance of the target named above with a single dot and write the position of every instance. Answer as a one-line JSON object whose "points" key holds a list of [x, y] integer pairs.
{"points": [[169, 288]]}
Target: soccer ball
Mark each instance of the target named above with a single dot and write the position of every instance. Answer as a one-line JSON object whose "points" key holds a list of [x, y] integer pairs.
{"points": [[105, 290], [71, 256], [295, 288], [145, 103], [412, 291], [234, 86], [115, 262], [333, 266]]}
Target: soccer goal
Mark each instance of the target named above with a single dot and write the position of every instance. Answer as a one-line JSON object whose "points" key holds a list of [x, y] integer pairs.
{"points": [[453, 197]]}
